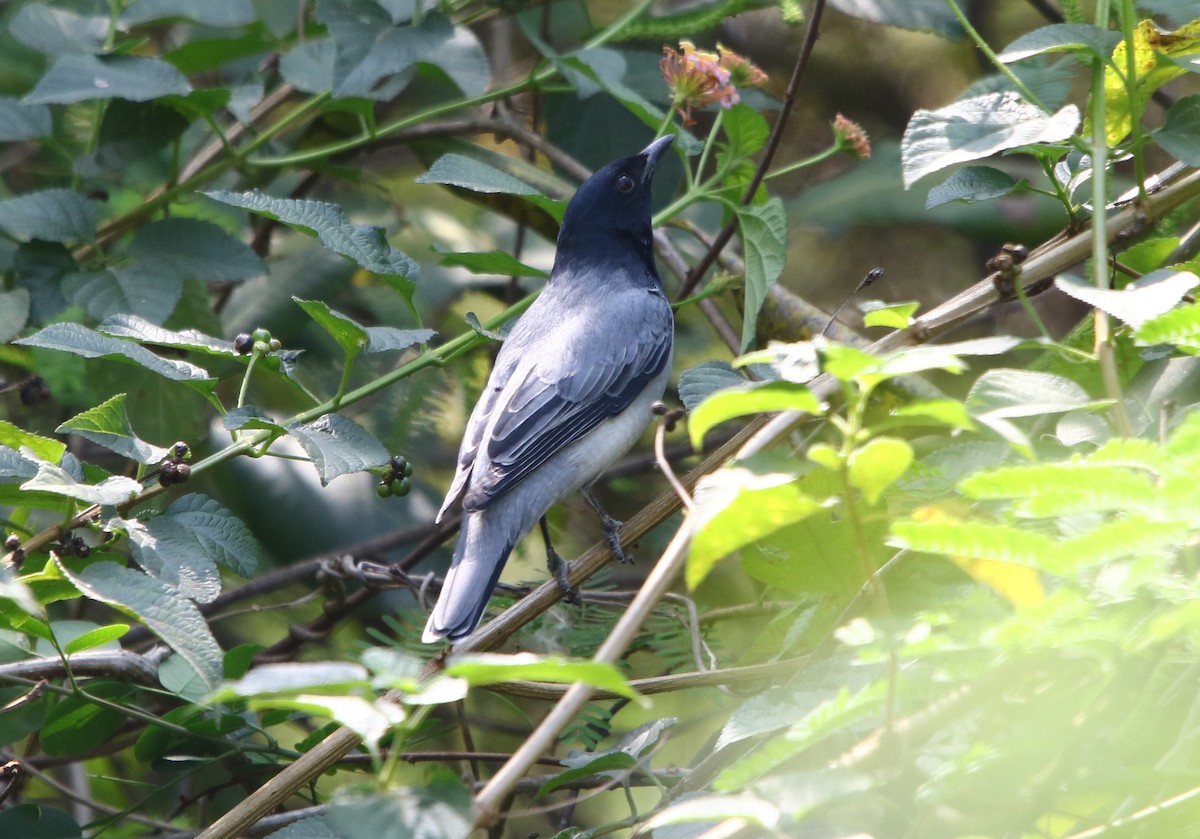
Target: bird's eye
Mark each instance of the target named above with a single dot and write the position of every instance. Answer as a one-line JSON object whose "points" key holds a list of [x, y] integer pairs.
{"points": [[624, 183]]}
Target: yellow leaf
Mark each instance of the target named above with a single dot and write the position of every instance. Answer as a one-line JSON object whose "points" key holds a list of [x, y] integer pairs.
{"points": [[1020, 585], [1152, 53]]}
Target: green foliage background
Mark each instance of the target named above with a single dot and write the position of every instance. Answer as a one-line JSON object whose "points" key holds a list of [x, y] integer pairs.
{"points": [[939, 581]]}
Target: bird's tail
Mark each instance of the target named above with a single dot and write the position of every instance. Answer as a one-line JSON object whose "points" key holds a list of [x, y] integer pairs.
{"points": [[483, 547]]}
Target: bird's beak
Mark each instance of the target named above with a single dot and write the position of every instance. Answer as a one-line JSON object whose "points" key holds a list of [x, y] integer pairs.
{"points": [[653, 153]]}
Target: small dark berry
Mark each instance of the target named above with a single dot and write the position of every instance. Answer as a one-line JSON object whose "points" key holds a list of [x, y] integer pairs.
{"points": [[12, 543], [181, 450], [182, 472], [261, 334], [167, 473], [383, 489], [1019, 253], [1001, 262], [398, 463], [243, 343], [82, 550], [402, 487], [659, 409]]}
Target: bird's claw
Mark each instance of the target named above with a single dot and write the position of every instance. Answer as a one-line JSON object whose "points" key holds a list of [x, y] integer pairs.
{"points": [[612, 535], [559, 569]]}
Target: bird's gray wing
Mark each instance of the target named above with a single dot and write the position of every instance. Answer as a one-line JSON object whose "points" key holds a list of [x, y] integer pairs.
{"points": [[563, 397], [472, 437]]}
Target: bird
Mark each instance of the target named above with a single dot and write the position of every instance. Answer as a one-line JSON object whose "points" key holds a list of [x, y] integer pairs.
{"points": [[571, 389]]}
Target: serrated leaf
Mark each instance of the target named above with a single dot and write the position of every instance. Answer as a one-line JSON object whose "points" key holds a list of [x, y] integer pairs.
{"points": [[734, 507], [354, 338], [1062, 37], [499, 263], [468, 173], [495, 668], [1155, 55], [20, 121], [697, 383], [58, 31], [746, 129], [744, 399], [877, 464], [79, 340], [971, 184], [1059, 489], [250, 417], [42, 447], [78, 78], [294, 677], [145, 332], [976, 128], [613, 762], [1141, 300], [363, 244], [764, 241], [1010, 393], [223, 537], [15, 464], [97, 637], [976, 540], [1179, 326], [135, 288], [339, 446], [108, 425], [166, 613], [55, 215], [56, 480], [195, 249]]}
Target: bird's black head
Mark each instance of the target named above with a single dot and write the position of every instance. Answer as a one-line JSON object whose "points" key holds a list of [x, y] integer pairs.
{"points": [[614, 203]]}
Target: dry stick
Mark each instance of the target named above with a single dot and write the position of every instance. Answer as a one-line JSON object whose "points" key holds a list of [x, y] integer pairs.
{"points": [[758, 434], [490, 798]]}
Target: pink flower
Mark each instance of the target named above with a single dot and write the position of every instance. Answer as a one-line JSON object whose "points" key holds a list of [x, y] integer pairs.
{"points": [[698, 78], [851, 138]]}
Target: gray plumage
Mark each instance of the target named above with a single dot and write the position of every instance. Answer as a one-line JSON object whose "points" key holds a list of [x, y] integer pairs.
{"points": [[571, 388]]}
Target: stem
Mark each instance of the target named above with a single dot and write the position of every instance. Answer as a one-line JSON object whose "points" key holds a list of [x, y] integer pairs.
{"points": [[1103, 342], [991, 56], [1135, 103], [806, 162]]}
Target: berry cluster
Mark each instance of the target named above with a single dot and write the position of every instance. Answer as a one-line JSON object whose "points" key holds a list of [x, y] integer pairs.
{"points": [[72, 546], [397, 479], [175, 469], [259, 341]]}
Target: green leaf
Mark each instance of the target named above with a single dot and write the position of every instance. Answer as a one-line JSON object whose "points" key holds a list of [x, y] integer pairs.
{"points": [[108, 425], [1141, 300], [165, 612], [949, 412], [393, 669], [1179, 326], [746, 399], [136, 288], [131, 134], [145, 332], [499, 263], [614, 762], [293, 678], [17, 438], [76, 724], [55, 215], [223, 537], [97, 637], [339, 446], [764, 241], [893, 316], [976, 540], [365, 245], [79, 340], [742, 809], [58, 31], [698, 383], [38, 821], [194, 249], [78, 78], [971, 184], [354, 338], [56, 480], [877, 464], [736, 506], [1180, 134], [370, 50], [1059, 489], [1063, 37], [20, 121], [440, 808], [494, 668], [14, 313], [1012, 393], [977, 128], [921, 15], [746, 130], [475, 175], [226, 13]]}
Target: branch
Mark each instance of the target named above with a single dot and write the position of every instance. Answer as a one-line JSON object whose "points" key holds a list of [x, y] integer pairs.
{"points": [[110, 664]]}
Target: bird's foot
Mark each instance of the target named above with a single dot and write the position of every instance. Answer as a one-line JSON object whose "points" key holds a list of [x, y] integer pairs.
{"points": [[611, 528], [559, 570]]}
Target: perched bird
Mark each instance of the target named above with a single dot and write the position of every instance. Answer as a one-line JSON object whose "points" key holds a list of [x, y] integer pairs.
{"points": [[571, 388]]}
